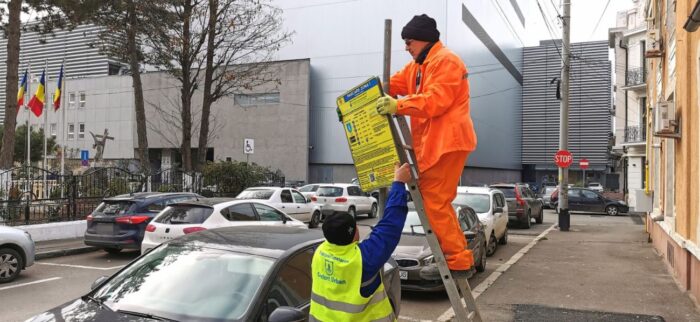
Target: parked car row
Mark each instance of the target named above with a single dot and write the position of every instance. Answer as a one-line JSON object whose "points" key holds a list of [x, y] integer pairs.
{"points": [[587, 200]]}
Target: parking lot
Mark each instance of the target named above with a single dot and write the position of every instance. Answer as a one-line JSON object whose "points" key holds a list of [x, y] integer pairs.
{"points": [[52, 282]]}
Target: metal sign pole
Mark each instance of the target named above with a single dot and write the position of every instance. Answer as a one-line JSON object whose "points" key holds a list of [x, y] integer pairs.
{"points": [[386, 77]]}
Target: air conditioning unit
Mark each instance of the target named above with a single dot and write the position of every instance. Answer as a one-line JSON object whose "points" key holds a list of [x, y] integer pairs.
{"points": [[663, 118], [655, 45]]}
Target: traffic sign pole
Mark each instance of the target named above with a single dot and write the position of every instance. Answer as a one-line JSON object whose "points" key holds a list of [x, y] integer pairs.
{"points": [[563, 205]]}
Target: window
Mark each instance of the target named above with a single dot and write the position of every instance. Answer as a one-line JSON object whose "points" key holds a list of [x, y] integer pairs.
{"points": [[354, 191], [286, 196], [82, 100], [574, 193], [501, 200], [268, 213], [184, 215], [589, 194], [298, 198], [52, 130], [71, 131], [81, 130], [329, 192], [71, 100], [241, 212], [292, 287], [256, 99]]}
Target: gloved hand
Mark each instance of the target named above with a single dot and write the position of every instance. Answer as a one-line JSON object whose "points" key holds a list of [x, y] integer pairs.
{"points": [[386, 105], [340, 115]]}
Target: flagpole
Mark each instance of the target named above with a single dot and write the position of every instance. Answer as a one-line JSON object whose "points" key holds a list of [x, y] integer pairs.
{"points": [[46, 113], [63, 124], [29, 141]]}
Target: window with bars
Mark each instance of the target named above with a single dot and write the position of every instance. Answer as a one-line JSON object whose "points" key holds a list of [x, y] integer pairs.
{"points": [[82, 100], [81, 130], [71, 131]]}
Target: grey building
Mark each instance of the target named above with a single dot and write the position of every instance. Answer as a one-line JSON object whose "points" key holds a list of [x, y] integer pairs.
{"points": [[79, 48], [275, 117], [589, 114], [344, 42]]}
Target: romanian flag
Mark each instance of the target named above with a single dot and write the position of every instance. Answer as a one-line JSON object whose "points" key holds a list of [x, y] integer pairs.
{"points": [[57, 93], [22, 89], [36, 104]]}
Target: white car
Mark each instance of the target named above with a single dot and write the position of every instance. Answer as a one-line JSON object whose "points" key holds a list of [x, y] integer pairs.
{"points": [[309, 190], [491, 207], [289, 200], [345, 198], [188, 217], [16, 252], [595, 186]]}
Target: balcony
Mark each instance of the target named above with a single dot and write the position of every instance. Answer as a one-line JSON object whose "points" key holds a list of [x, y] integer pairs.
{"points": [[635, 134], [635, 77]]}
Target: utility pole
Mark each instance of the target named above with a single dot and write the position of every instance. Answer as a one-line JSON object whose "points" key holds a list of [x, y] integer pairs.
{"points": [[563, 205], [383, 192]]}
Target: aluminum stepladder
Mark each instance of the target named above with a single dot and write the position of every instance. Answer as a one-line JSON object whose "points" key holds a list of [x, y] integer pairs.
{"points": [[404, 146]]}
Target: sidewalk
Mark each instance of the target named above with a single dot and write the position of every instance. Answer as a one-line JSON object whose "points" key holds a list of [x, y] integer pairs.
{"points": [[604, 269], [61, 247]]}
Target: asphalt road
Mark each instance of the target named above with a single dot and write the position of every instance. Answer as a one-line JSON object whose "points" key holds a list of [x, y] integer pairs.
{"points": [[55, 281]]}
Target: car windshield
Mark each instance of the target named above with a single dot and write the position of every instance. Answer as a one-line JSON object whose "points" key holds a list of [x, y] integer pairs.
{"points": [[309, 188], [329, 192], [478, 201], [509, 192], [187, 282], [114, 207], [263, 194], [184, 214], [548, 191]]}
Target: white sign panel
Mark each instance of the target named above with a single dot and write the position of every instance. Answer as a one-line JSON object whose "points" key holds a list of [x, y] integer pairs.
{"points": [[248, 146]]}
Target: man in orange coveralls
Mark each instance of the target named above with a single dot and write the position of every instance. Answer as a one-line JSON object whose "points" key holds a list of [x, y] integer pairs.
{"points": [[435, 94]]}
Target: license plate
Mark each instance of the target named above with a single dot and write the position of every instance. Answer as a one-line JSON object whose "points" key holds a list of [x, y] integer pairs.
{"points": [[403, 275], [105, 229]]}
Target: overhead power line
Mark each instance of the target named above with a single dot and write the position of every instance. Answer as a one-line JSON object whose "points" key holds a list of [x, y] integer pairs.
{"points": [[599, 19]]}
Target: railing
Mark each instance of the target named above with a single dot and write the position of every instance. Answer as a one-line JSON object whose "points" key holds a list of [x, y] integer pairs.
{"points": [[635, 133], [27, 198], [635, 76]]}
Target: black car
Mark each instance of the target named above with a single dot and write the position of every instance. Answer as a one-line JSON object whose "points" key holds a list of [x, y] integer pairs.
{"points": [[243, 273], [418, 271], [523, 204], [120, 222], [587, 200]]}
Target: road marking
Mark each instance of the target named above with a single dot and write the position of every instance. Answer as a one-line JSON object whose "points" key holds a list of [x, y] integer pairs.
{"points": [[81, 266], [485, 284], [30, 283]]}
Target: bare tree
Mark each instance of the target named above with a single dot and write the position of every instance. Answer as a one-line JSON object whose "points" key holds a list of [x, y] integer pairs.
{"points": [[242, 37]]}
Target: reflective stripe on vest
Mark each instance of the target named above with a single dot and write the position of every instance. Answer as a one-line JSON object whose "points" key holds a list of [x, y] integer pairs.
{"points": [[389, 318], [337, 279]]}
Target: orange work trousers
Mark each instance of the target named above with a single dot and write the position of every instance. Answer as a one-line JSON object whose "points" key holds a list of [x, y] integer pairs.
{"points": [[438, 185]]}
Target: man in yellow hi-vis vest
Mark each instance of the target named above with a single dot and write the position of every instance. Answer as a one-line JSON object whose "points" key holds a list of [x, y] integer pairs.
{"points": [[347, 275]]}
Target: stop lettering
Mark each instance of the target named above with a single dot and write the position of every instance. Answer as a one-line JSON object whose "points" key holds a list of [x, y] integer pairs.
{"points": [[563, 158]]}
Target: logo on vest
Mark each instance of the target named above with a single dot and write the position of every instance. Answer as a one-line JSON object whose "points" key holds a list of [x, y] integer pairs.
{"points": [[329, 267]]}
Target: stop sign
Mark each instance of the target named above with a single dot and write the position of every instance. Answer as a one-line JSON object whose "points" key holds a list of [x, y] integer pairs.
{"points": [[583, 164], [563, 158]]}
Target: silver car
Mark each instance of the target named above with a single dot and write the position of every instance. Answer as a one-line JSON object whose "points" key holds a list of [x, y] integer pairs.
{"points": [[16, 252]]}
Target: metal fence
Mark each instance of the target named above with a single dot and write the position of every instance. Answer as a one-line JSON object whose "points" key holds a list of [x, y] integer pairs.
{"points": [[636, 133], [635, 76], [31, 195]]}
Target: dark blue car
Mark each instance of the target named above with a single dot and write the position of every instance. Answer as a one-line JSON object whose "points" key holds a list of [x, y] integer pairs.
{"points": [[119, 222]]}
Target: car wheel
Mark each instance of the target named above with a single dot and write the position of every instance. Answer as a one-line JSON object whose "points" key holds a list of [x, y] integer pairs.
{"points": [[373, 211], [481, 266], [528, 221], [10, 265], [491, 245], [113, 250], [540, 218], [504, 239], [315, 219], [612, 210], [352, 212]]}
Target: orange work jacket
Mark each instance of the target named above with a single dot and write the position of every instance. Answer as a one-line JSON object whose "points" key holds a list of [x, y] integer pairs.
{"points": [[438, 106]]}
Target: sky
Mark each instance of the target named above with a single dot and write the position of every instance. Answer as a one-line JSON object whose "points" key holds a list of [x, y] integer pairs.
{"points": [[584, 15]]}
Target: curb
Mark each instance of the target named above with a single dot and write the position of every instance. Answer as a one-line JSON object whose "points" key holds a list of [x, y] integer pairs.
{"points": [[65, 252]]}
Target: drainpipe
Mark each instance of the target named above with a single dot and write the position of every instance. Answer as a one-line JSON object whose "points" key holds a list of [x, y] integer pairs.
{"points": [[624, 155], [693, 21]]}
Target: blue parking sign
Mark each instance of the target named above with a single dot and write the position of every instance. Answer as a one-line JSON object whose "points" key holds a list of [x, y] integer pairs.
{"points": [[84, 157]]}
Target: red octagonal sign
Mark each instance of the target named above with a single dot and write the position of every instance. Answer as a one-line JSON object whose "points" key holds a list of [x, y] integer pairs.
{"points": [[563, 158]]}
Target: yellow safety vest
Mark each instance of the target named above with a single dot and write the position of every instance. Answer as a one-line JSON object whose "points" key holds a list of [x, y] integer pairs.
{"points": [[335, 292]]}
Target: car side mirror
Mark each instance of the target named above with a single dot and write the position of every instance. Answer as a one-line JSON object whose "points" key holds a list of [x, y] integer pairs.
{"points": [[286, 314], [470, 235], [498, 210], [98, 282]]}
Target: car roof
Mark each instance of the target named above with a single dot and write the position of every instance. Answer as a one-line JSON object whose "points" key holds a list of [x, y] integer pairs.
{"points": [[338, 185], [268, 188], [482, 190], [208, 202], [504, 185], [268, 241], [142, 196]]}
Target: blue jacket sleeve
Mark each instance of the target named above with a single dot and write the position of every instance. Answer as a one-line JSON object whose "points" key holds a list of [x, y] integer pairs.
{"points": [[382, 241]]}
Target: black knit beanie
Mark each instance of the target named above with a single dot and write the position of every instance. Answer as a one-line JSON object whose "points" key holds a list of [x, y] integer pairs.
{"points": [[421, 28], [339, 229]]}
